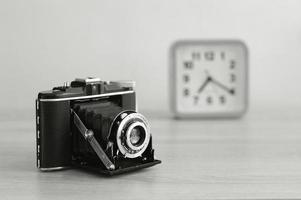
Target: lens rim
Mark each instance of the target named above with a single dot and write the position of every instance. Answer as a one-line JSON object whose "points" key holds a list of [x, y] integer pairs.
{"points": [[130, 151], [128, 135]]}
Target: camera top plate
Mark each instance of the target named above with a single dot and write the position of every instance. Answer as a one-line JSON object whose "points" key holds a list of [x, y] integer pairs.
{"points": [[87, 88]]}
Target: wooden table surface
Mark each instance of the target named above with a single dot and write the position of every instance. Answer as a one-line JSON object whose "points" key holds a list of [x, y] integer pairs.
{"points": [[258, 156]]}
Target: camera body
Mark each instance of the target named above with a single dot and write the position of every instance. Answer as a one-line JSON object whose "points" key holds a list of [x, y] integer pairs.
{"points": [[92, 124]]}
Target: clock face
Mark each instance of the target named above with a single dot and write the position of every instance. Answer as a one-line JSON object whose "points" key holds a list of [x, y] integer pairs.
{"points": [[209, 78]]}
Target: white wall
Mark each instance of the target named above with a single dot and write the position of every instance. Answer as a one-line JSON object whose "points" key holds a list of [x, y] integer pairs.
{"points": [[43, 43]]}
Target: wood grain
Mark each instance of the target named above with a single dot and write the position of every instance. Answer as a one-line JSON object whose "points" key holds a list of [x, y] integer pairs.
{"points": [[258, 156]]}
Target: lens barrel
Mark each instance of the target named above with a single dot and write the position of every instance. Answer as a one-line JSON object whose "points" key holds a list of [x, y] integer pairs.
{"points": [[132, 133]]}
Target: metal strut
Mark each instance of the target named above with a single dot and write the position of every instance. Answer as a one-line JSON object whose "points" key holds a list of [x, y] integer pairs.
{"points": [[89, 136]]}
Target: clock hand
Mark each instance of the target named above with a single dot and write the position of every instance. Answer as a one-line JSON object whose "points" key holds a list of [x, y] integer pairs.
{"points": [[204, 84], [231, 91]]}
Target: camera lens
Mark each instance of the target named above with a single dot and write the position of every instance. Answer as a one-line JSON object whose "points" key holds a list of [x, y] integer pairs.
{"points": [[137, 136], [132, 133]]}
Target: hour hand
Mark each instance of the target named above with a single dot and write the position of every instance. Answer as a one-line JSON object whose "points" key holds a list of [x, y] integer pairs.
{"points": [[204, 84]]}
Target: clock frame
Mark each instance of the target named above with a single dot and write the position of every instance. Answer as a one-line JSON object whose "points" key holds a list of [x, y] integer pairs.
{"points": [[174, 82]]}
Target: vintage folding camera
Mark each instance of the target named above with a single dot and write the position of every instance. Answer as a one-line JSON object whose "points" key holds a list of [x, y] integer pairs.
{"points": [[92, 124]]}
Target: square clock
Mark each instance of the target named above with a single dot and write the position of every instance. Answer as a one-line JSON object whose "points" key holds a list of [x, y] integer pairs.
{"points": [[209, 78]]}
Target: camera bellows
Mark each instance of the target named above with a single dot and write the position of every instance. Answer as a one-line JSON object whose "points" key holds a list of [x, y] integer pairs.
{"points": [[98, 116]]}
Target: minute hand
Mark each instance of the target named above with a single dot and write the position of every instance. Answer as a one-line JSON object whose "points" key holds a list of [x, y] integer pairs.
{"points": [[222, 86]]}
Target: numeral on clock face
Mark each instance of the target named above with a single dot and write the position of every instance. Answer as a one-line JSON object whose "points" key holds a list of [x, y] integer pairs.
{"points": [[186, 92], [188, 65], [186, 78], [222, 99]]}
